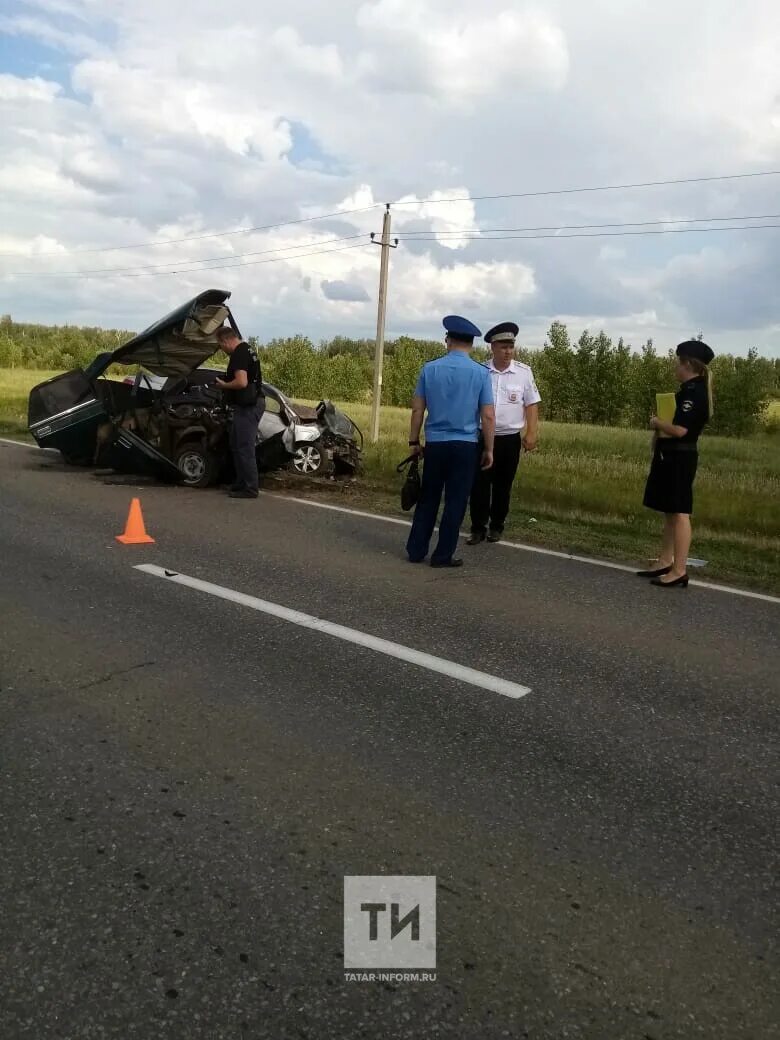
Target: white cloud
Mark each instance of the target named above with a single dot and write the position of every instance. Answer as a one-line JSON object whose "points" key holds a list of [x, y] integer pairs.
{"points": [[27, 182], [429, 290], [37, 246], [449, 212], [322, 62], [38, 29], [92, 169], [458, 57], [135, 101], [71, 8], [282, 113], [16, 89]]}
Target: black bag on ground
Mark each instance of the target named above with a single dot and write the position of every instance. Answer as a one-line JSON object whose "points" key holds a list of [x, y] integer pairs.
{"points": [[410, 490]]}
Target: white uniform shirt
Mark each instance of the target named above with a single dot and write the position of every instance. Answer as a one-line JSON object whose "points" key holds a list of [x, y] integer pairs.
{"points": [[513, 390]]}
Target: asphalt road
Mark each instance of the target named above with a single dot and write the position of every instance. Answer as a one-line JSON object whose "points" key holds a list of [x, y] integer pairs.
{"points": [[184, 782]]}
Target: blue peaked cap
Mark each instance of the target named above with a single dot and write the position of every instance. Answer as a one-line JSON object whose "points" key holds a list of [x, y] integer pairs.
{"points": [[461, 328]]}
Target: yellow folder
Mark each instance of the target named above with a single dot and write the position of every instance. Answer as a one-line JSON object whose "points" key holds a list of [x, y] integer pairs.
{"points": [[665, 407]]}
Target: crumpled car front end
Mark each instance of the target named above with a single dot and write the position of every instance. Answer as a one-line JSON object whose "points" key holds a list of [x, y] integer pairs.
{"points": [[341, 437]]}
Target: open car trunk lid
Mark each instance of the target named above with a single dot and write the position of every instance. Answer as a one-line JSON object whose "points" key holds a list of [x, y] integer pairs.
{"points": [[181, 341]]}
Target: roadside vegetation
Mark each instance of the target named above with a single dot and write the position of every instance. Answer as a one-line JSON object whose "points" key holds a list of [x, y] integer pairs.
{"points": [[593, 380], [581, 492]]}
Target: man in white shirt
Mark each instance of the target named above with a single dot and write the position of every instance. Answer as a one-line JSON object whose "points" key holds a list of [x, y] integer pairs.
{"points": [[517, 425]]}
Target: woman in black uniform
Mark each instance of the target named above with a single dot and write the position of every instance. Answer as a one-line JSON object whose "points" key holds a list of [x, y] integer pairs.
{"points": [[669, 487]]}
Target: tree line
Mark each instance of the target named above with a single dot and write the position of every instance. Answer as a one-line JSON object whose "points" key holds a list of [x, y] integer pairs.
{"points": [[593, 380]]}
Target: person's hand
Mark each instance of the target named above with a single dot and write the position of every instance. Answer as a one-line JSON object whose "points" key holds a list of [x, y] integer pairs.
{"points": [[487, 459], [417, 450], [220, 383], [655, 422], [529, 443]]}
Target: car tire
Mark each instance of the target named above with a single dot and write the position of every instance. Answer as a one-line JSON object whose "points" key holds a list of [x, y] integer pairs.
{"points": [[309, 459], [199, 467]]}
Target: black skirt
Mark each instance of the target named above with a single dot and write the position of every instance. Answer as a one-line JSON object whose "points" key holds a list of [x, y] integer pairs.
{"points": [[669, 487]]}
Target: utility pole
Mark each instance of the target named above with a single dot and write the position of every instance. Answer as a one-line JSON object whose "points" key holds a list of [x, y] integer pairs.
{"points": [[379, 351]]}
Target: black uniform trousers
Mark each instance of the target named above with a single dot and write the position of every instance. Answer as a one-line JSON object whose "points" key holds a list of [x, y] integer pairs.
{"points": [[493, 487], [448, 469], [243, 441]]}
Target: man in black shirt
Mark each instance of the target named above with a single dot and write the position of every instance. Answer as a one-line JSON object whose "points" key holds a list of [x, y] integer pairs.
{"points": [[243, 390]]}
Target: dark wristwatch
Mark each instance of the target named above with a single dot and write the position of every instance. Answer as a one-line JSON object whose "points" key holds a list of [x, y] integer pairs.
{"points": [[414, 444]]}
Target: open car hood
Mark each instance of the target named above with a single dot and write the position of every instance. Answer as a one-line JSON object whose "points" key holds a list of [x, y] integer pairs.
{"points": [[179, 342]]}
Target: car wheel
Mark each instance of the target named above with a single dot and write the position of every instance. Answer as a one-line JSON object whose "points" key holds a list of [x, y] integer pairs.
{"points": [[309, 459], [198, 466]]}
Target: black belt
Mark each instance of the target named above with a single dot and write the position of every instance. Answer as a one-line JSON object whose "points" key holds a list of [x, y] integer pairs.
{"points": [[663, 445]]}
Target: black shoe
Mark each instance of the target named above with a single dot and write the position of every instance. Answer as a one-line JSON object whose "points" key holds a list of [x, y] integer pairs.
{"points": [[653, 574], [447, 563], [494, 536], [236, 487], [475, 538], [681, 582], [243, 493]]}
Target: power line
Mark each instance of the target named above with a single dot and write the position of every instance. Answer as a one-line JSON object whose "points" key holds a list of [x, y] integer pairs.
{"points": [[472, 231], [121, 273], [215, 234], [411, 202], [179, 263], [608, 234], [600, 187], [252, 263], [423, 235], [200, 270]]}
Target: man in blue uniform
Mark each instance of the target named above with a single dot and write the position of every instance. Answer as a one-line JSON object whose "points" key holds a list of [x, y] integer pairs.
{"points": [[458, 396]]}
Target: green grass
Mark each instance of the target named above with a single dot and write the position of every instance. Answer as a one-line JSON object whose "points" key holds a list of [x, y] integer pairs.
{"points": [[583, 488], [15, 386]]}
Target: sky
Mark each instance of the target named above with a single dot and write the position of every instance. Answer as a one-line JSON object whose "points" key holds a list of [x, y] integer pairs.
{"points": [[140, 125]]}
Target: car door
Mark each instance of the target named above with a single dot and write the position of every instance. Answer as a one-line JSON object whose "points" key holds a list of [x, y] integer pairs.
{"points": [[275, 436], [129, 453]]}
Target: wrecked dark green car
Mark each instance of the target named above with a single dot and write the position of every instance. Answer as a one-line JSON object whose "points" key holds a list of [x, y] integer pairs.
{"points": [[135, 426], [170, 420]]}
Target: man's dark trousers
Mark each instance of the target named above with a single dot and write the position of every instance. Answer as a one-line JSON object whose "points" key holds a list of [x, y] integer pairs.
{"points": [[448, 468], [243, 439], [493, 487]]}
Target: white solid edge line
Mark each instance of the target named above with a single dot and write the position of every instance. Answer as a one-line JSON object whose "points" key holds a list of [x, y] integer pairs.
{"points": [[339, 509], [732, 591], [350, 635], [526, 548], [26, 444]]}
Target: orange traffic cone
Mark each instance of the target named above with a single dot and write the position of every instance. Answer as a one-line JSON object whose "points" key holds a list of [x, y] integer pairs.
{"points": [[135, 532]]}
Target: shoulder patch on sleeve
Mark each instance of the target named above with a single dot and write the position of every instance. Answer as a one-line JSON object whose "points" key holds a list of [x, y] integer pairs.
{"points": [[687, 406]]}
